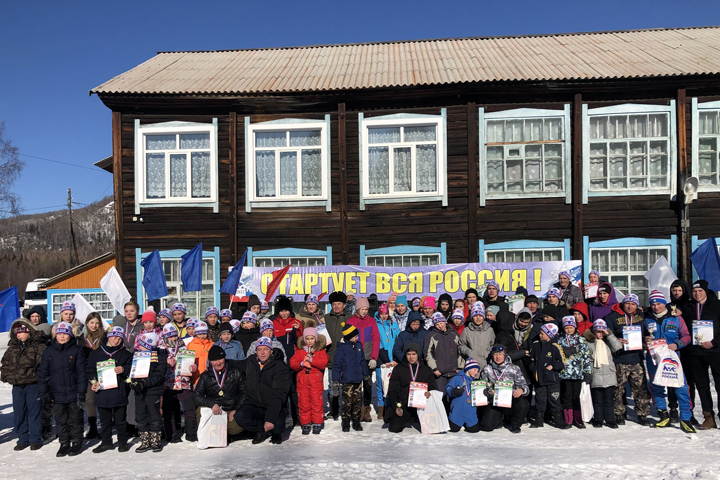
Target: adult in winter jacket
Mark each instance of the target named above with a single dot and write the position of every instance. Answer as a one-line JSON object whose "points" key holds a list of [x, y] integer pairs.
{"points": [[370, 340], [459, 391], [37, 317], [492, 297], [20, 364], [61, 377], [130, 323], [661, 324], [309, 361], [441, 351], [413, 333], [401, 312], [477, 338], [516, 348], [546, 363], [569, 294], [604, 302], [267, 330], [388, 331], [111, 403], [578, 369], [501, 368], [90, 340], [553, 299], [335, 322], [411, 369], [267, 379], [310, 313], [705, 356], [602, 344], [679, 297], [148, 392], [288, 329]]}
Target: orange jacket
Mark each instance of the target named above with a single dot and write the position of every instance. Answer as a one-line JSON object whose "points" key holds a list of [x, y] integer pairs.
{"points": [[201, 349]]}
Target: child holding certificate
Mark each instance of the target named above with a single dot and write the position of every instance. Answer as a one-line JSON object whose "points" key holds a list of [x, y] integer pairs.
{"points": [[148, 390], [508, 389], [459, 390]]}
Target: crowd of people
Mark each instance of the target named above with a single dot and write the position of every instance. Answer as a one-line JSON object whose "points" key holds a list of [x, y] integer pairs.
{"points": [[314, 366]]}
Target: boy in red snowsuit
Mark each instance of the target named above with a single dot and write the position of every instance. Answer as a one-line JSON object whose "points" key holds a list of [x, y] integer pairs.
{"points": [[309, 361]]}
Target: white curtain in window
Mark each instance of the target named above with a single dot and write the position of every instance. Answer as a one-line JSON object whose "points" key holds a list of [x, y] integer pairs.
{"points": [[426, 164], [288, 173], [305, 138], [178, 175], [155, 175], [420, 134], [160, 142], [709, 124], [270, 139], [311, 173], [200, 166], [379, 170], [384, 135], [402, 169], [265, 173], [195, 141]]}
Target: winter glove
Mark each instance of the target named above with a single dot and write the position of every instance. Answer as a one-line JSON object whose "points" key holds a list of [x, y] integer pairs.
{"points": [[45, 398], [456, 392], [81, 401], [336, 389], [587, 378], [372, 364], [139, 386]]}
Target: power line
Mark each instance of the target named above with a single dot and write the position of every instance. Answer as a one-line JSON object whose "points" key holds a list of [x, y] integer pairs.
{"points": [[58, 161]]}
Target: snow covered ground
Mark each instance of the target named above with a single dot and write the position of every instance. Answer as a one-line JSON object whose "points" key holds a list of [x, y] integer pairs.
{"points": [[630, 452]]}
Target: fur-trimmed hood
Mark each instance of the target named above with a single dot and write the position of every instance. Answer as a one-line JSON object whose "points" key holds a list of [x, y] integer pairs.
{"points": [[320, 343]]}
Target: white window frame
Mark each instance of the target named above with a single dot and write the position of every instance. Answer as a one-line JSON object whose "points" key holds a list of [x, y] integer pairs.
{"points": [[404, 120], [290, 260], [68, 294], [174, 128], [631, 109], [698, 107], [524, 245], [287, 124], [505, 251], [438, 256], [517, 114]]}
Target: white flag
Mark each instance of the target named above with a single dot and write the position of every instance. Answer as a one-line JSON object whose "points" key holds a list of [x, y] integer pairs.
{"points": [[83, 309], [115, 289], [660, 277]]}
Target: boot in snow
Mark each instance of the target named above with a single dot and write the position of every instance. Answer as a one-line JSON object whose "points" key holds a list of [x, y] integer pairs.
{"points": [[306, 429], [577, 419], [276, 439], [687, 427], [539, 420], [145, 444], [93, 431], [709, 421], [156, 442], [674, 416], [346, 425], [317, 428], [380, 412], [260, 437], [620, 419], [642, 420], [664, 419], [367, 414], [103, 447], [356, 425], [191, 430], [64, 449], [123, 447], [560, 422], [76, 448]]}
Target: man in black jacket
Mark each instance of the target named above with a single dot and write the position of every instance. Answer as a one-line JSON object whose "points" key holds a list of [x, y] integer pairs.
{"points": [[267, 379], [334, 322], [221, 387]]}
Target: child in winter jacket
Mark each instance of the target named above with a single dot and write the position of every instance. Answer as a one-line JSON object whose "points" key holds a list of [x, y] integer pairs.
{"points": [[370, 341], [201, 345], [603, 344], [478, 337], [546, 363], [20, 364], [177, 391], [578, 369], [147, 394], [582, 317], [310, 361], [267, 330], [61, 377], [349, 368], [149, 321], [457, 320], [458, 389], [441, 351], [501, 368], [111, 403], [414, 334], [248, 332], [388, 331], [233, 348]]}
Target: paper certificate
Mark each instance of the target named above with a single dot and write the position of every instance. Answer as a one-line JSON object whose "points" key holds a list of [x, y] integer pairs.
{"points": [[322, 330], [702, 331], [478, 393], [516, 303], [633, 334], [416, 398], [107, 378], [591, 290], [140, 365], [503, 394], [185, 359]]}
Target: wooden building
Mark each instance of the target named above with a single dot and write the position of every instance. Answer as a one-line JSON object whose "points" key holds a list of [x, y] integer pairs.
{"points": [[420, 152]]}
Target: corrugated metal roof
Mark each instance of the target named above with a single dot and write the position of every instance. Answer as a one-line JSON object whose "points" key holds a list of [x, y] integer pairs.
{"points": [[625, 54]]}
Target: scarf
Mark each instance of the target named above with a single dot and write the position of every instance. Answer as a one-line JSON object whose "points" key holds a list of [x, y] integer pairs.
{"points": [[602, 354]]}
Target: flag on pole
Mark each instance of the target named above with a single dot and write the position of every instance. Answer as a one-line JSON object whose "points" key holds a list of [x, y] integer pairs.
{"points": [[115, 290], [83, 309], [706, 260], [277, 277], [9, 308], [661, 276], [154, 277], [230, 286], [191, 269]]}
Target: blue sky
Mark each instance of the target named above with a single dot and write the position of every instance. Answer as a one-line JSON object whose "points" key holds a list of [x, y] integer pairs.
{"points": [[53, 53]]}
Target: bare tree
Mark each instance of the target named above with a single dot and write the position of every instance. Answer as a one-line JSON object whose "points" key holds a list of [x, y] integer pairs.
{"points": [[10, 168]]}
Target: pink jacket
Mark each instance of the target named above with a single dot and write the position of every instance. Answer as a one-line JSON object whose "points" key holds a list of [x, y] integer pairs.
{"points": [[368, 332]]}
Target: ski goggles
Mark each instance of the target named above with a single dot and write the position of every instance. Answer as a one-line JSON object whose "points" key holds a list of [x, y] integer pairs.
{"points": [[498, 349]]}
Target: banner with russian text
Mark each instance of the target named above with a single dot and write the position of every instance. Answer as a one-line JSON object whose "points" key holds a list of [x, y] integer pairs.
{"points": [[433, 280]]}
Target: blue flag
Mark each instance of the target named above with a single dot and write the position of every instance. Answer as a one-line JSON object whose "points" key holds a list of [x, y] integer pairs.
{"points": [[706, 260], [154, 277], [191, 269], [9, 308], [230, 285]]}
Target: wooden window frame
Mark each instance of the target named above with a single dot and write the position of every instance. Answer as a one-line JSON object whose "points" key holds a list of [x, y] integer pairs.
{"points": [[697, 108]]}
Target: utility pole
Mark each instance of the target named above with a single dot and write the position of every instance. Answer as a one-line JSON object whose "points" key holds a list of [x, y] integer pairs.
{"points": [[72, 232]]}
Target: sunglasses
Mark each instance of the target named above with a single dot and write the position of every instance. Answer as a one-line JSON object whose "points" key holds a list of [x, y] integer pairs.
{"points": [[498, 350]]}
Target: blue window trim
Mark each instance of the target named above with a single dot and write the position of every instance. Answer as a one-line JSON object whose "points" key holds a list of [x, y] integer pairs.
{"points": [[177, 253], [525, 113], [289, 252], [629, 108], [523, 245], [629, 242], [695, 122], [442, 158], [404, 250], [66, 291]]}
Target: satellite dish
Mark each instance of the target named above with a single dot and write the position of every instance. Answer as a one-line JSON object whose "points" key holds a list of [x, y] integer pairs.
{"points": [[690, 189]]}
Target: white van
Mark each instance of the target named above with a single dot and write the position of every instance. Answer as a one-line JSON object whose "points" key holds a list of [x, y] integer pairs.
{"points": [[33, 296]]}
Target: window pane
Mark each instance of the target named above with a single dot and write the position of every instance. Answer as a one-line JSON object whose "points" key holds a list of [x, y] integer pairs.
{"points": [[305, 138], [200, 171], [598, 128], [155, 175], [553, 129], [160, 142], [707, 160], [514, 131], [270, 139], [379, 170], [411, 260], [514, 256], [288, 173], [402, 169], [383, 135], [495, 257], [658, 125], [311, 173], [533, 256], [426, 162], [533, 130], [195, 141], [178, 175], [553, 256], [709, 123], [420, 134], [495, 131], [265, 173], [207, 269], [514, 172]]}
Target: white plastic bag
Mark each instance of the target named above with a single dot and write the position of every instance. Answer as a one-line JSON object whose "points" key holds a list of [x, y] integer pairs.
{"points": [[433, 418], [669, 370], [586, 405], [385, 373], [212, 429]]}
